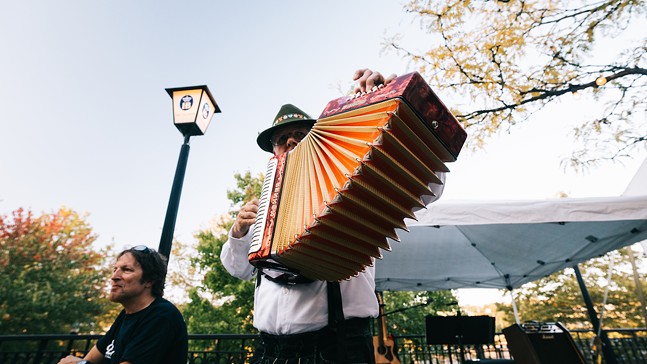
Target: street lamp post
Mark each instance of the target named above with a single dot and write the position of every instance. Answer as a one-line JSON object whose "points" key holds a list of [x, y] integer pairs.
{"points": [[193, 109]]}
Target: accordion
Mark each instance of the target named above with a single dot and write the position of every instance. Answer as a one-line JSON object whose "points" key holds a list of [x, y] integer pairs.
{"points": [[330, 205]]}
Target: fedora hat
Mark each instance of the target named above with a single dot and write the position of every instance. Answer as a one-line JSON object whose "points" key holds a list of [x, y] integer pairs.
{"points": [[287, 115]]}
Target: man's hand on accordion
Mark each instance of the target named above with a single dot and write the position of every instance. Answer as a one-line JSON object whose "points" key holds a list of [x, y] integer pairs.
{"points": [[246, 217], [367, 79]]}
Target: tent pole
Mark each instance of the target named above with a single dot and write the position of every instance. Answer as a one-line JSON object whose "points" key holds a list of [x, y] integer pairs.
{"points": [[606, 293], [514, 308], [639, 289], [607, 350]]}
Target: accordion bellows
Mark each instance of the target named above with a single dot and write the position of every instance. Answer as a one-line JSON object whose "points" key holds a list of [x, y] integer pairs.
{"points": [[330, 205]]}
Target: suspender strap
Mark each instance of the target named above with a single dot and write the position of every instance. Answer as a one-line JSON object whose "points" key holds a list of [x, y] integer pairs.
{"points": [[335, 309], [336, 318]]}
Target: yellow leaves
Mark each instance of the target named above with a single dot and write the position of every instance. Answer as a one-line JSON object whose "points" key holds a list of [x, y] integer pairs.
{"points": [[552, 75], [506, 59]]}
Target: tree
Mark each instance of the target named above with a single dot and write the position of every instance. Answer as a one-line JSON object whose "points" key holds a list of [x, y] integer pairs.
{"points": [[222, 303], [511, 58], [51, 279], [558, 297]]}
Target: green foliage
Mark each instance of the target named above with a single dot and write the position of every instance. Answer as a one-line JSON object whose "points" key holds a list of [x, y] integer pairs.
{"points": [[559, 298], [226, 305], [507, 59], [247, 187], [50, 279], [222, 303]]}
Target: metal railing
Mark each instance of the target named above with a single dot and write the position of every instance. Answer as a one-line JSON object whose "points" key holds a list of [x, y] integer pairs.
{"points": [[629, 346]]}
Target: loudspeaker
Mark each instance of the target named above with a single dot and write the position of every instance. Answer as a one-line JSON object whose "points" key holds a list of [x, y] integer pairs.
{"points": [[445, 330], [542, 343]]}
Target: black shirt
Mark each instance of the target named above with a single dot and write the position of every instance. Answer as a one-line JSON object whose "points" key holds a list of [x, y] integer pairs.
{"points": [[156, 334]]}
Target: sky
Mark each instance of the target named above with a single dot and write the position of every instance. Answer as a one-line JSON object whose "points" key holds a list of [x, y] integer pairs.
{"points": [[86, 123]]}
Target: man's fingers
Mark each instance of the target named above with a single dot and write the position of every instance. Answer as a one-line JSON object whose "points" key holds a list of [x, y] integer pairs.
{"points": [[249, 211], [375, 79], [359, 73], [251, 206], [367, 79], [245, 219]]}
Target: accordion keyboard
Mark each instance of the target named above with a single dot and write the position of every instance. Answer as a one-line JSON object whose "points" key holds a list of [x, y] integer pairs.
{"points": [[263, 206]]}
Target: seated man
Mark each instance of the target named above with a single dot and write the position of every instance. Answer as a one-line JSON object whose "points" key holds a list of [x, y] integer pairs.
{"points": [[149, 329]]}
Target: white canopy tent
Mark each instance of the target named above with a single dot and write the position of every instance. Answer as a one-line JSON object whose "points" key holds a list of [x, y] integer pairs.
{"points": [[504, 244]]}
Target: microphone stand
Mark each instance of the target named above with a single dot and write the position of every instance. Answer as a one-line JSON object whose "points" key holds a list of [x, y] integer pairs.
{"points": [[459, 338], [416, 306]]}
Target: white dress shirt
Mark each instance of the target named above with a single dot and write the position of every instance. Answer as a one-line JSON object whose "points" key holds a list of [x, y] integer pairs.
{"points": [[293, 309]]}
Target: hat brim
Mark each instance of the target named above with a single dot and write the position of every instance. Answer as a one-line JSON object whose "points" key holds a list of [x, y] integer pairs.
{"points": [[263, 139]]}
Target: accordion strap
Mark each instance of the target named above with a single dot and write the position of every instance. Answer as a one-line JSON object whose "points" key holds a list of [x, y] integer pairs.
{"points": [[335, 309], [283, 279]]}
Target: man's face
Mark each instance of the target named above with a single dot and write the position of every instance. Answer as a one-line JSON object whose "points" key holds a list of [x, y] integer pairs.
{"points": [[126, 280], [287, 137]]}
